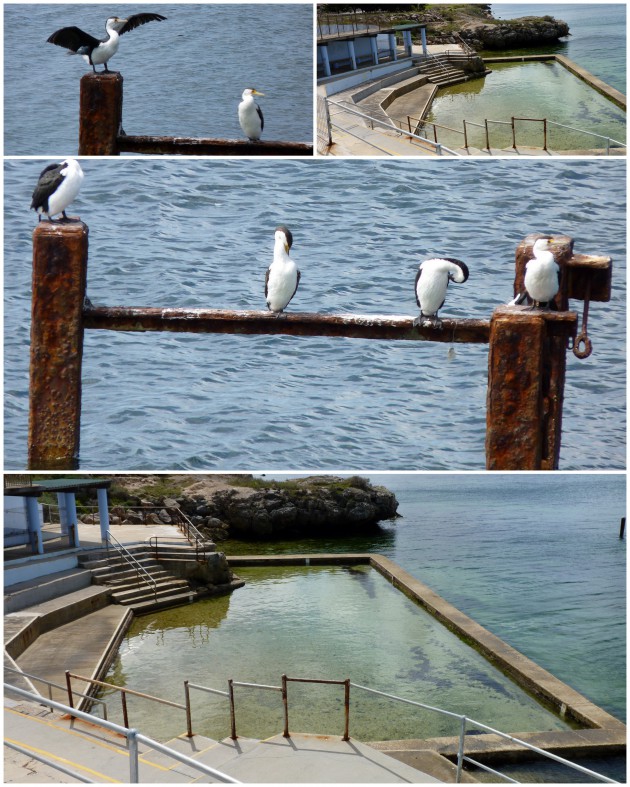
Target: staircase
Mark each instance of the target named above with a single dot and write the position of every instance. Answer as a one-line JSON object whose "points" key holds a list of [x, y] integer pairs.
{"points": [[137, 579], [441, 70]]}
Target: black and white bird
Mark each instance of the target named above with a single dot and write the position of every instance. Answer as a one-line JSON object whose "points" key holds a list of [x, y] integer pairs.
{"points": [[250, 115], [97, 52], [542, 277], [431, 284], [57, 187], [283, 276]]}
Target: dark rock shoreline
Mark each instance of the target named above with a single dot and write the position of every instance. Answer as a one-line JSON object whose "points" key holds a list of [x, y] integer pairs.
{"points": [[313, 506]]}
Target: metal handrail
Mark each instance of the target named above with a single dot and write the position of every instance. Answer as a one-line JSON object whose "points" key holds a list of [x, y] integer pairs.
{"points": [[189, 529], [465, 721], [123, 696], [133, 738], [438, 147], [132, 561], [52, 684]]}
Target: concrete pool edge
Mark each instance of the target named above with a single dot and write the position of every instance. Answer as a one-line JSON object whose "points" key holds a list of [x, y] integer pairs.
{"points": [[565, 701]]}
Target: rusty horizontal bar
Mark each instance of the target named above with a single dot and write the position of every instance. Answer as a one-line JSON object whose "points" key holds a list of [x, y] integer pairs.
{"points": [[315, 680], [209, 147], [125, 690], [182, 320]]}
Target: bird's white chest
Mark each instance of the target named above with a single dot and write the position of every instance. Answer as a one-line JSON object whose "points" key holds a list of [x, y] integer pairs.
{"points": [[65, 194], [106, 49], [249, 118], [541, 279], [281, 283], [431, 290]]}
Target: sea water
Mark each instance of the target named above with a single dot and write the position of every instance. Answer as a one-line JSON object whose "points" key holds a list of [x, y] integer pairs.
{"points": [[199, 233]]}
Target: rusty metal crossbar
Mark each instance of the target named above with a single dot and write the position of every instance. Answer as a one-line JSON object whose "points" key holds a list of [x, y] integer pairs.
{"points": [[526, 361], [285, 700], [100, 124]]}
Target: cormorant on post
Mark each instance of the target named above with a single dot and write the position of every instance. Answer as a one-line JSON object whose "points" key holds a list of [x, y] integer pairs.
{"points": [[94, 51], [431, 284], [57, 187], [250, 115], [542, 277]]}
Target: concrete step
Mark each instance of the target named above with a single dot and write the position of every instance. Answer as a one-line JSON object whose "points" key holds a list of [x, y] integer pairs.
{"points": [[145, 591], [40, 589], [164, 602]]}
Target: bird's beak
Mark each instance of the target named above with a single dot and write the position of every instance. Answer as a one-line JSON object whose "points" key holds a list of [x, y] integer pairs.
{"points": [[257, 93], [286, 247]]}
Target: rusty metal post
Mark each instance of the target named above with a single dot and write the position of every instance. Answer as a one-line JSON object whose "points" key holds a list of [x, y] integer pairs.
{"points": [[60, 253], [513, 134], [526, 371], [232, 710], [123, 697], [285, 702], [69, 686], [189, 732], [346, 731], [100, 114]]}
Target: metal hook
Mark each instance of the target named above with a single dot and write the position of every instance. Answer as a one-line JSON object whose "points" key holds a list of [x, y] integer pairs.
{"points": [[582, 345]]}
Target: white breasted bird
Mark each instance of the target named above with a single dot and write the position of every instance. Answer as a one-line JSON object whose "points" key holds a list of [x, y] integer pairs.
{"points": [[57, 187], [431, 284], [250, 115], [542, 277], [97, 52], [283, 276]]}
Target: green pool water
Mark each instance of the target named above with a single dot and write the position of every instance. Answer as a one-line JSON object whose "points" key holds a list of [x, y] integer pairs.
{"points": [[318, 622], [527, 90]]}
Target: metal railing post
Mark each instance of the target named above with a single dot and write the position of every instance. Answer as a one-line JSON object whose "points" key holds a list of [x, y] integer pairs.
{"points": [[100, 114], [285, 702], [460, 751], [189, 732], [60, 254], [346, 732], [487, 136], [232, 710], [545, 134], [134, 770], [465, 136], [69, 685], [123, 699], [513, 134]]}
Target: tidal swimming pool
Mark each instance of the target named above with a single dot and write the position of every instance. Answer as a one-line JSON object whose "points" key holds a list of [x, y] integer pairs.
{"points": [[316, 622], [530, 90]]}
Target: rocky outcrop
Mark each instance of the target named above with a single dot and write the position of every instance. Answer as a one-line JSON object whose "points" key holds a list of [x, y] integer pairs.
{"points": [[515, 33], [312, 506]]}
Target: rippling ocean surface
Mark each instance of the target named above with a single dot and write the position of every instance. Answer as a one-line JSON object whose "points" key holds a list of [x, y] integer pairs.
{"points": [[598, 35], [199, 233], [183, 76]]}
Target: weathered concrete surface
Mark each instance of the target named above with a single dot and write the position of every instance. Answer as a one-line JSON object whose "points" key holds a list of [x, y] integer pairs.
{"points": [[567, 702]]}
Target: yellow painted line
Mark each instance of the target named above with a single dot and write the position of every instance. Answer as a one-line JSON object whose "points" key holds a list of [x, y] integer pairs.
{"points": [[64, 761], [85, 737]]}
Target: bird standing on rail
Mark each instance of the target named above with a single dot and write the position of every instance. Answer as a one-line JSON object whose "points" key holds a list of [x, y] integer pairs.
{"points": [[283, 276], [57, 187], [431, 284], [97, 52], [250, 115], [542, 277]]}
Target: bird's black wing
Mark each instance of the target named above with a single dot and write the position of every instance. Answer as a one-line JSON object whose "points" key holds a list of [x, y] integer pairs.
{"points": [[267, 282], [49, 181], [262, 119], [139, 19], [73, 38], [416, 286], [297, 284]]}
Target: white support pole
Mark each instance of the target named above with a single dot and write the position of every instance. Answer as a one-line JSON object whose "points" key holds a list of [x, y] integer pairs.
{"points": [[325, 60], [423, 35], [103, 513], [63, 512], [34, 524], [353, 57], [71, 511], [374, 49], [392, 46]]}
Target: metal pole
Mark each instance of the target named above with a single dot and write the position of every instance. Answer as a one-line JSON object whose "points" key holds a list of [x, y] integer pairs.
{"points": [[134, 771], [189, 732], [123, 696], [69, 685], [545, 133], [346, 732], [100, 114], [285, 702], [465, 136], [487, 136], [232, 710], [622, 527], [513, 135], [60, 253], [460, 751]]}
